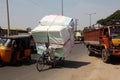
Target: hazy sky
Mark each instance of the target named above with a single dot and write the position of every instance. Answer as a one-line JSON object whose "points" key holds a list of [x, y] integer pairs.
{"points": [[27, 13]]}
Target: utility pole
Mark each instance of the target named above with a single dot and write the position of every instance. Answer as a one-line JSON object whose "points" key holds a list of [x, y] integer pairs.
{"points": [[76, 24], [90, 16], [8, 19], [62, 7]]}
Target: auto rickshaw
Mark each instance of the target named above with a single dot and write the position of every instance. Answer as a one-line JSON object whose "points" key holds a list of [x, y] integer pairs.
{"points": [[14, 48]]}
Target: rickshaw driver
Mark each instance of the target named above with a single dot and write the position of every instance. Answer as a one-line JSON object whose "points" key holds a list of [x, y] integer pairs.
{"points": [[49, 51], [46, 53]]}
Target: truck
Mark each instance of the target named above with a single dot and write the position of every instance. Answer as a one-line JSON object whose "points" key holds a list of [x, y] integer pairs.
{"points": [[104, 41], [77, 36]]}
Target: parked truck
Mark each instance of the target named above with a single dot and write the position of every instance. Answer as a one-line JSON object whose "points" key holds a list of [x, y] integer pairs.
{"points": [[104, 41]]}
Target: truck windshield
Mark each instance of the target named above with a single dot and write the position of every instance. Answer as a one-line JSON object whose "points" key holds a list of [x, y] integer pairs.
{"points": [[115, 32]]}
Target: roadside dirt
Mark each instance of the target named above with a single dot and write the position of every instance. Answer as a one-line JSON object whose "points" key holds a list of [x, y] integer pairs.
{"points": [[89, 68], [92, 68], [104, 71], [96, 70]]}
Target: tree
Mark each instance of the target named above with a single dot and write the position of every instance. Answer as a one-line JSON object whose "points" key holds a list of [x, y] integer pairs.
{"points": [[112, 19]]}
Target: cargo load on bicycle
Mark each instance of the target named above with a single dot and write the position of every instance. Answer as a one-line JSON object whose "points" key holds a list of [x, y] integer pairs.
{"points": [[57, 31]]}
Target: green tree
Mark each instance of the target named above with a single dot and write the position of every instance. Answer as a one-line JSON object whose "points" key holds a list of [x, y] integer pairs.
{"points": [[112, 19]]}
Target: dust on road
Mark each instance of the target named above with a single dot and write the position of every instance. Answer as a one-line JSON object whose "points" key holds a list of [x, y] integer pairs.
{"points": [[91, 68]]}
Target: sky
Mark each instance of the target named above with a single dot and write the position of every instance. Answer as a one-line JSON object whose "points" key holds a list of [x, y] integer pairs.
{"points": [[27, 13]]}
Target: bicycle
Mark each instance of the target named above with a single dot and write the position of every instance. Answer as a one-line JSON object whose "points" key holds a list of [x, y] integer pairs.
{"points": [[46, 60]]}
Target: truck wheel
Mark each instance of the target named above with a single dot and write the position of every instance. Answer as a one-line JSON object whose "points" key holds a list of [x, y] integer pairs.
{"points": [[105, 56], [90, 53]]}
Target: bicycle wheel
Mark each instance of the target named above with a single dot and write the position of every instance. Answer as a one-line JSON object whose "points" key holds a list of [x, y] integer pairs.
{"points": [[40, 64]]}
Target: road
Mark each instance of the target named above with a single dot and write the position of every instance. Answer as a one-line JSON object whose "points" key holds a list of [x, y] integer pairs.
{"points": [[78, 66]]}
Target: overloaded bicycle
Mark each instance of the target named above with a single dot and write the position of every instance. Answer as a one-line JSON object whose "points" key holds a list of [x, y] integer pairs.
{"points": [[48, 60], [53, 40]]}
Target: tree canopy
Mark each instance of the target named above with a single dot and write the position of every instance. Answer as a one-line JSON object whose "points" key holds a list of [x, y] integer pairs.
{"points": [[112, 19]]}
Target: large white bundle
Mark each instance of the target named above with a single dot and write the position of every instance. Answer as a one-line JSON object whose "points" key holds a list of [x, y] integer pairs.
{"points": [[55, 30], [55, 20], [55, 34]]}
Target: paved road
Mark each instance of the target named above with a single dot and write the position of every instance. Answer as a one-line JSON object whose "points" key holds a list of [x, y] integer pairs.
{"points": [[28, 71], [78, 66]]}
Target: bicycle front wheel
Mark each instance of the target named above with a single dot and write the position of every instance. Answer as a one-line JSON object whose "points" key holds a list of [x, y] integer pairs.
{"points": [[40, 64]]}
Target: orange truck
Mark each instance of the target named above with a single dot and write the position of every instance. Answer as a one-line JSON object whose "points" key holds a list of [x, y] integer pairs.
{"points": [[104, 41]]}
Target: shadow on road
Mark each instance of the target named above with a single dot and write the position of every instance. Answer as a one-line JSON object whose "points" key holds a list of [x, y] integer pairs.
{"points": [[74, 64], [96, 55], [26, 63], [68, 64], [20, 63], [71, 64], [115, 60]]}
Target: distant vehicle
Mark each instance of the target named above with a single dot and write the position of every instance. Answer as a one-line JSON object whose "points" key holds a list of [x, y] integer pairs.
{"points": [[104, 41], [14, 48], [13, 31], [54, 38], [77, 36]]}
